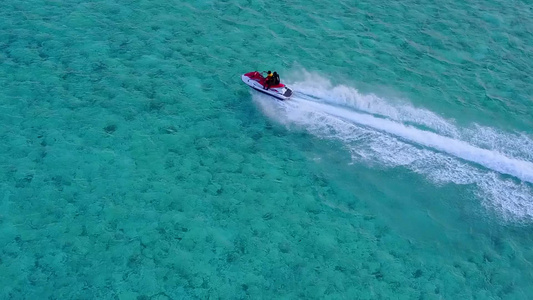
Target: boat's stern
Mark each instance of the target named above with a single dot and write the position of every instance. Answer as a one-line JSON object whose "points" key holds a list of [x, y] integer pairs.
{"points": [[287, 93]]}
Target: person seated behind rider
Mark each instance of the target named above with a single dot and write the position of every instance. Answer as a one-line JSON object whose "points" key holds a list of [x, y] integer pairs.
{"points": [[276, 78], [269, 80]]}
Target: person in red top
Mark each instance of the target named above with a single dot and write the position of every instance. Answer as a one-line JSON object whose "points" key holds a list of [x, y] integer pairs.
{"points": [[269, 80]]}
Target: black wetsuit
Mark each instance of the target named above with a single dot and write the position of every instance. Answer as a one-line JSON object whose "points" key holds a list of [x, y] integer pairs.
{"points": [[275, 79]]}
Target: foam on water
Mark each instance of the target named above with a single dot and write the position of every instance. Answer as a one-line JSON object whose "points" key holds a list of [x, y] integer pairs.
{"points": [[390, 135], [322, 88]]}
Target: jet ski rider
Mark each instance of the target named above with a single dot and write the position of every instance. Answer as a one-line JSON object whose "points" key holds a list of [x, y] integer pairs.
{"points": [[271, 79], [268, 80]]}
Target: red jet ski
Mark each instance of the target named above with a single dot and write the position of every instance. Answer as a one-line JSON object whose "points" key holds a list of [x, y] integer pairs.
{"points": [[257, 81]]}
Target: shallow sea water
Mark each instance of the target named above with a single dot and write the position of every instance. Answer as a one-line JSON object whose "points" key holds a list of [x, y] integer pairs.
{"points": [[137, 165]]}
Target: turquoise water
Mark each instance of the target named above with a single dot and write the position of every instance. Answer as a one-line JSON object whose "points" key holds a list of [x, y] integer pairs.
{"points": [[137, 165]]}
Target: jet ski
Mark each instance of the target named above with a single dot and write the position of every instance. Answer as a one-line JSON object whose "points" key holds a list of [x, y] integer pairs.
{"points": [[257, 81]]}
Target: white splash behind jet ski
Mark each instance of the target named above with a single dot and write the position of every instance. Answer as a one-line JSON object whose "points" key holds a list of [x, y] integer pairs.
{"points": [[257, 81]]}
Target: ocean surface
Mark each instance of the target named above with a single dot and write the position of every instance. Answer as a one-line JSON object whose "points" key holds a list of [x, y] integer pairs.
{"points": [[135, 164]]}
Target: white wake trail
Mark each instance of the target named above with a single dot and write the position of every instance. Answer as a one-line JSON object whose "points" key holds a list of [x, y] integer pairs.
{"points": [[377, 134], [490, 159]]}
